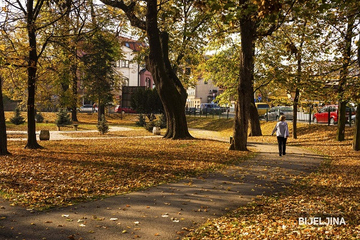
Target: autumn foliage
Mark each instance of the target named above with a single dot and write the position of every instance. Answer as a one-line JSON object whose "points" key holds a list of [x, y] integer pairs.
{"points": [[333, 191], [66, 172], [70, 171]]}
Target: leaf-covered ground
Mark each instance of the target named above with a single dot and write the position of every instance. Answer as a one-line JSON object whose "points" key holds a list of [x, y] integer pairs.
{"points": [[87, 121], [69, 171], [65, 172], [332, 192]]}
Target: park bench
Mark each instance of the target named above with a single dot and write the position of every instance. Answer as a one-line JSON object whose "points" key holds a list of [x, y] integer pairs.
{"points": [[75, 126]]}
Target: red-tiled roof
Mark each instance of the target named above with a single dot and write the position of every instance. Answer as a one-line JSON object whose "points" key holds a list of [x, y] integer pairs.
{"points": [[132, 44]]}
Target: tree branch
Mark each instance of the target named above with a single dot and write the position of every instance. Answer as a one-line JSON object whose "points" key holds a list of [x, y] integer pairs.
{"points": [[276, 25], [129, 10]]}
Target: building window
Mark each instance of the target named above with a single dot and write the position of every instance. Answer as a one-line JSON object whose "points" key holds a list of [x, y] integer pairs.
{"points": [[124, 63], [148, 82]]}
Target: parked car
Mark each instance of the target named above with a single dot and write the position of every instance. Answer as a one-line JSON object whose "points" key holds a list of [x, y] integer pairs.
{"points": [[211, 108], [192, 111], [353, 119], [88, 108], [262, 108], [322, 116], [275, 112], [119, 109]]}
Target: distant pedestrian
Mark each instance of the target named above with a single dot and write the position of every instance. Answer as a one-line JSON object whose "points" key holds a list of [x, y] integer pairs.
{"points": [[282, 133]]}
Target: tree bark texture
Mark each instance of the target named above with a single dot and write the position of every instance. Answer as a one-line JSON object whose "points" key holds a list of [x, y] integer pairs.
{"points": [[74, 72], [32, 68], [244, 89], [3, 137], [295, 108], [171, 92], [356, 141], [101, 110], [255, 127], [297, 92], [340, 135]]}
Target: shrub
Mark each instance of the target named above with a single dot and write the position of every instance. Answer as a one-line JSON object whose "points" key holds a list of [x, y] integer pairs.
{"points": [[102, 126], [17, 119], [141, 121], [149, 126], [63, 118], [39, 118]]}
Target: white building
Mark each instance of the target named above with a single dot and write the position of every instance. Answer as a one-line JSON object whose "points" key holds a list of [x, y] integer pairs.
{"points": [[133, 73]]}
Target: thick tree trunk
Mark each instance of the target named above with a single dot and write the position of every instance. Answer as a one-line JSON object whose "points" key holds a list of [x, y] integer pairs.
{"points": [[255, 127], [175, 113], [32, 68], [356, 141], [244, 89], [3, 137], [171, 92]]}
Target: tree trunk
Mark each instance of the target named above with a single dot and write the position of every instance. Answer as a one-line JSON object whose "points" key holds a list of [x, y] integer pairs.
{"points": [[255, 127], [3, 137], [171, 92], [66, 5], [340, 136], [356, 141], [295, 107], [74, 87], [298, 54], [101, 110], [32, 68], [244, 89]]}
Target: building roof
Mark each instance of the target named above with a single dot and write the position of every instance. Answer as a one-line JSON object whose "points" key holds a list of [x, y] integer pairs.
{"points": [[134, 45]]}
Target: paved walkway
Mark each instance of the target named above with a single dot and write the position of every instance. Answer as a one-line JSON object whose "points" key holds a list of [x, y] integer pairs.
{"points": [[167, 211], [63, 135]]}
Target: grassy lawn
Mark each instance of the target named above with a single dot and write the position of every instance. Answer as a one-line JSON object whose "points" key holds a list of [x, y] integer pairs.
{"points": [[333, 191], [87, 121], [135, 132]]}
